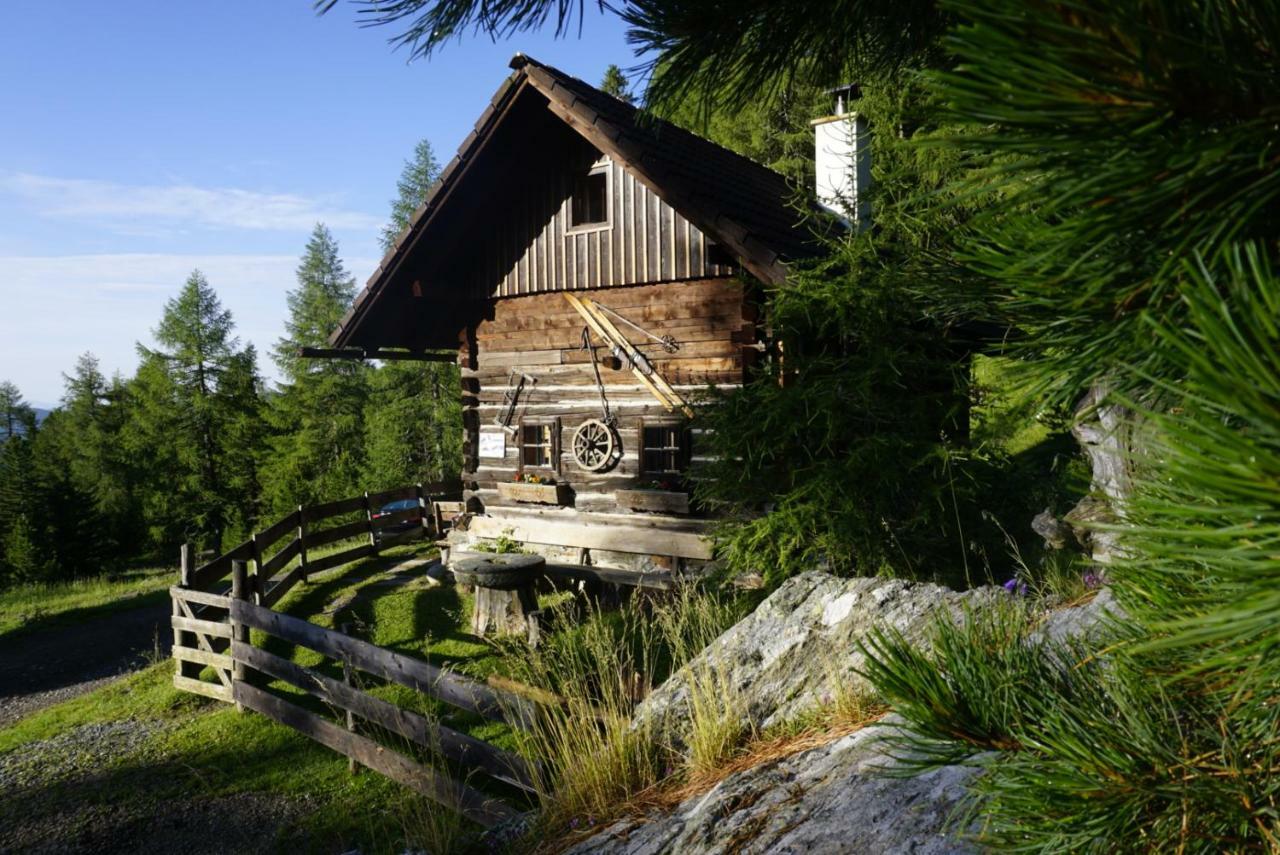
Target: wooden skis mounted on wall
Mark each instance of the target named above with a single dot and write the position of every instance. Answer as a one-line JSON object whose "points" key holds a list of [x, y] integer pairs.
{"points": [[641, 367]]}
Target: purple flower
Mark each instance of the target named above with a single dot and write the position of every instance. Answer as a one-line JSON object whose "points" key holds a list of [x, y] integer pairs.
{"points": [[1013, 586], [1092, 580], [573, 823]]}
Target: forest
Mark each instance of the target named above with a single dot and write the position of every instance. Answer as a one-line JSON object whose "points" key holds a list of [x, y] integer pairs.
{"points": [[196, 447]]}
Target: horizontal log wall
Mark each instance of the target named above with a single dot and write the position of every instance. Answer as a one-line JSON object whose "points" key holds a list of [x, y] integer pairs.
{"points": [[541, 335], [533, 247]]}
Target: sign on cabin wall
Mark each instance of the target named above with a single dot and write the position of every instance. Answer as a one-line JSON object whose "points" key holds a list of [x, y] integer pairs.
{"points": [[493, 443]]}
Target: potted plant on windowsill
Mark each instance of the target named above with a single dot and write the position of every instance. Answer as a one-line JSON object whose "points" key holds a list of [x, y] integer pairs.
{"points": [[663, 496], [535, 489]]}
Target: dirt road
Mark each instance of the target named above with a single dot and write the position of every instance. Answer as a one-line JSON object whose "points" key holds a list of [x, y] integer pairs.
{"points": [[42, 668]]}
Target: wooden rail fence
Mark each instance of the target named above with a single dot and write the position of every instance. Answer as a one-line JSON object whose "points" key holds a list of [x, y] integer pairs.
{"points": [[212, 634]]}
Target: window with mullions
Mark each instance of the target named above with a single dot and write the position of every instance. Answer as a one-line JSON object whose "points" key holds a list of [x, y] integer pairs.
{"points": [[665, 449], [538, 445], [590, 203]]}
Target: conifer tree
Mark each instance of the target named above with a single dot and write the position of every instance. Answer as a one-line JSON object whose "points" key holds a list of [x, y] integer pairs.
{"points": [[414, 416], [317, 418], [16, 416], [191, 395], [419, 173], [615, 83]]}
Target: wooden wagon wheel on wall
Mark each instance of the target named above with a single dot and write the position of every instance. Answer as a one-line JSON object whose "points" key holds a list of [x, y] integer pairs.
{"points": [[595, 446]]}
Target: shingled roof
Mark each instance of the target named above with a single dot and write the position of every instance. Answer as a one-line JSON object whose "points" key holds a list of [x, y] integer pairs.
{"points": [[735, 201]]}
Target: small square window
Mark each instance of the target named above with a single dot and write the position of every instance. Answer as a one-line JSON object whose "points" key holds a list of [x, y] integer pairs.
{"points": [[590, 203], [537, 445], [666, 449]]}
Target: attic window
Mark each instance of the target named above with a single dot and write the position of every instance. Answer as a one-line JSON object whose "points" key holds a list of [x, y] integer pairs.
{"points": [[590, 203]]}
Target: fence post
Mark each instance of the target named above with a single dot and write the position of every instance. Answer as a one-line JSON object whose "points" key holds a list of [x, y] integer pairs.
{"points": [[186, 567], [368, 516], [422, 509], [259, 584], [302, 540], [239, 632], [345, 629]]}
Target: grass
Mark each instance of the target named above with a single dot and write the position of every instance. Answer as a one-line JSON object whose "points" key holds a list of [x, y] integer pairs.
{"points": [[38, 606], [205, 749]]}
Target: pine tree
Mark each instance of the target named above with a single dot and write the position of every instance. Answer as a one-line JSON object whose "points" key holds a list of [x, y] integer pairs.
{"points": [[615, 83], [317, 418]]}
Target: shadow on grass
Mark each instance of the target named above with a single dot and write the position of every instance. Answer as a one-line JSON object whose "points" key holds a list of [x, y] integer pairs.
{"points": [[74, 617]]}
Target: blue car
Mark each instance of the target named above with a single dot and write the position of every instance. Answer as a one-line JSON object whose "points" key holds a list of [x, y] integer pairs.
{"points": [[412, 521]]}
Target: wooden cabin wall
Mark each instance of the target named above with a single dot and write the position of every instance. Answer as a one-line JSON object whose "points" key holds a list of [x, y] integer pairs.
{"points": [[532, 248], [541, 335]]}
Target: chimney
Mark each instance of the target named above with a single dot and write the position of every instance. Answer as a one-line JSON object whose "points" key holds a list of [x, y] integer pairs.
{"points": [[842, 159]]}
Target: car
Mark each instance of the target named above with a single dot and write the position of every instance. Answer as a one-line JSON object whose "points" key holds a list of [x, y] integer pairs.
{"points": [[409, 521]]}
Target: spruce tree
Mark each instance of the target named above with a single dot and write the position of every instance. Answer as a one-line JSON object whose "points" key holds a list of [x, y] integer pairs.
{"points": [[615, 83], [419, 173], [317, 417]]}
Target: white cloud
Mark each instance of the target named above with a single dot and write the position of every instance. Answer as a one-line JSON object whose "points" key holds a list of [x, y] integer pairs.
{"points": [[128, 208], [54, 308]]}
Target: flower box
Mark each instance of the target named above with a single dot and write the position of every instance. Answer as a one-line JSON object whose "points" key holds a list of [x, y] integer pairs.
{"points": [[539, 494], [654, 501]]}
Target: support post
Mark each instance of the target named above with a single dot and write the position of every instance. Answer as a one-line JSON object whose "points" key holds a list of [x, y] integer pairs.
{"points": [[302, 540], [368, 517], [260, 584], [186, 567], [345, 629], [422, 510], [239, 632]]}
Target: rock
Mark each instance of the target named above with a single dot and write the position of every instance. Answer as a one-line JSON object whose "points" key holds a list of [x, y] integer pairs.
{"points": [[1110, 436], [1049, 527], [784, 657], [832, 799]]}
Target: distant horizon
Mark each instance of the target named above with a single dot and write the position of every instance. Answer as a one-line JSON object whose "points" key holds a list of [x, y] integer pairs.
{"points": [[144, 154]]}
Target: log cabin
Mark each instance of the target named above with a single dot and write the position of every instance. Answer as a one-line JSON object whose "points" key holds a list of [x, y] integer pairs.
{"points": [[593, 272]]}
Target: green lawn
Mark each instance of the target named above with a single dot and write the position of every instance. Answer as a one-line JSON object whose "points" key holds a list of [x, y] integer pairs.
{"points": [[207, 749], [27, 608]]}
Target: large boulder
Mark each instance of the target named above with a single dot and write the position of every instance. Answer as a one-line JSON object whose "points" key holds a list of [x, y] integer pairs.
{"points": [[832, 799], [787, 657]]}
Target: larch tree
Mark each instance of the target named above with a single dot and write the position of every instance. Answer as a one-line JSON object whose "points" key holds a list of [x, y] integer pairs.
{"points": [[192, 393], [317, 419], [414, 418]]}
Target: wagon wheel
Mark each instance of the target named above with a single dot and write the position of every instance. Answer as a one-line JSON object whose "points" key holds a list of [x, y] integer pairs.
{"points": [[594, 445]]}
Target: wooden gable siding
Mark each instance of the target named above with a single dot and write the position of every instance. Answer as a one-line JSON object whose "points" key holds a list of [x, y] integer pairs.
{"points": [[541, 335], [533, 248]]}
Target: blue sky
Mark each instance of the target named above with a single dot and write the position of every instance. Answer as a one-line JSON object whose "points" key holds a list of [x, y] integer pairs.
{"points": [[140, 140]]}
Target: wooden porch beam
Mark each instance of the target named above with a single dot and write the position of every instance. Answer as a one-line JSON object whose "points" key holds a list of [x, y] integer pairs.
{"points": [[376, 353]]}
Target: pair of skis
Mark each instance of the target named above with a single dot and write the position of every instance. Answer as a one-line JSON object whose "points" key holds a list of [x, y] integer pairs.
{"points": [[641, 367]]}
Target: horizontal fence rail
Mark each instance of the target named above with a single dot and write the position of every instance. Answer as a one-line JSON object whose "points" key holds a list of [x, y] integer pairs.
{"points": [[212, 636]]}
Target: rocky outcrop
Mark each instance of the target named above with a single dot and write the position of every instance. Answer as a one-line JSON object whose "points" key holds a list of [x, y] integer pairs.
{"points": [[832, 799], [786, 657]]}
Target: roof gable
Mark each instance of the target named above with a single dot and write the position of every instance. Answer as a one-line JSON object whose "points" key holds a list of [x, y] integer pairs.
{"points": [[736, 202]]}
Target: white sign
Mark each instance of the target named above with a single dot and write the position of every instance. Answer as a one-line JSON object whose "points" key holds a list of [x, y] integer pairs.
{"points": [[493, 443]]}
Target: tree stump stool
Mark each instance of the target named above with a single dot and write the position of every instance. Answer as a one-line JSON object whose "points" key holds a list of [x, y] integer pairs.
{"points": [[506, 599]]}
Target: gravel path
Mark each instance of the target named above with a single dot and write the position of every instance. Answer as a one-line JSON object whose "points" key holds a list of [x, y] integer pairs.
{"points": [[62, 795], [46, 667]]}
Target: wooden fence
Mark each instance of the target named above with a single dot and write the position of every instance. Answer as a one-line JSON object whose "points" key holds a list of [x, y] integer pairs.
{"points": [[212, 634]]}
